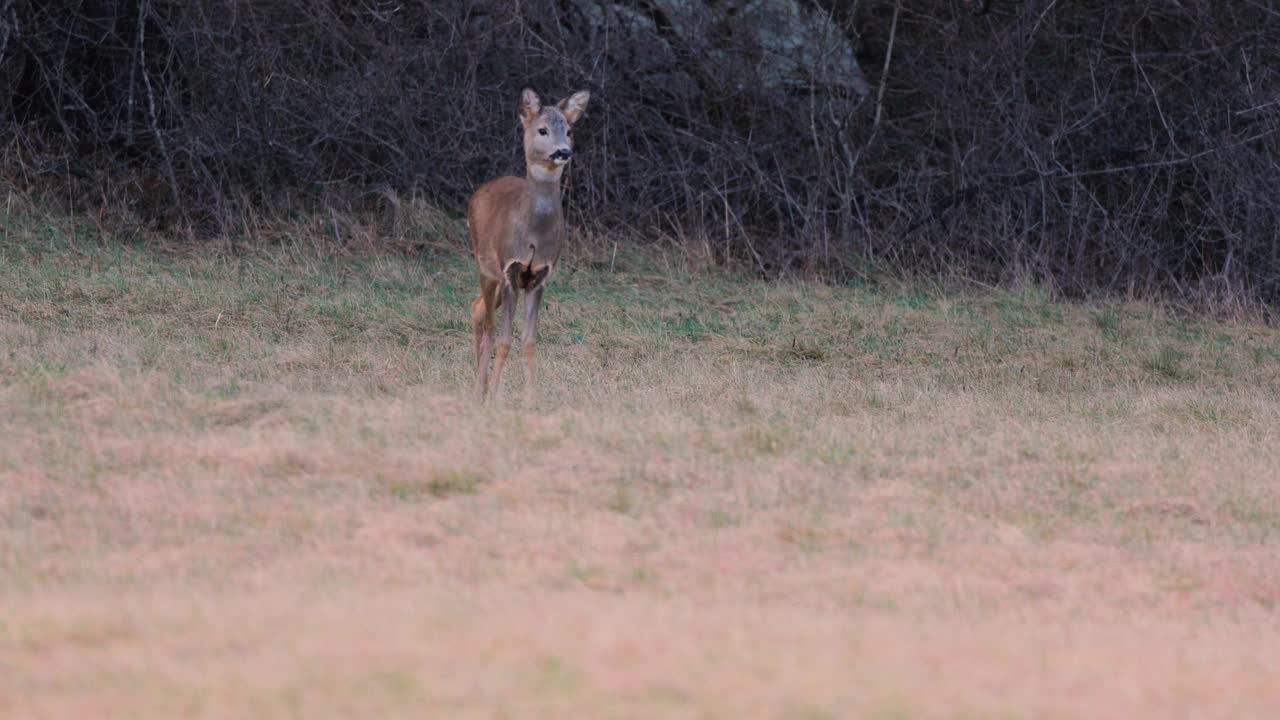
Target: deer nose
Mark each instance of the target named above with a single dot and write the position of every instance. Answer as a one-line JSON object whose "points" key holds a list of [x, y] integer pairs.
{"points": [[561, 154]]}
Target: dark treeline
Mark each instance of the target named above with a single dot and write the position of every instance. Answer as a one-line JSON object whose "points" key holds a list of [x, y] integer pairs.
{"points": [[1099, 147]]}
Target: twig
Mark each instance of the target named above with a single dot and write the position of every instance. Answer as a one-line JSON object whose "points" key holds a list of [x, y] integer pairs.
{"points": [[884, 72], [1166, 163], [7, 12], [151, 109]]}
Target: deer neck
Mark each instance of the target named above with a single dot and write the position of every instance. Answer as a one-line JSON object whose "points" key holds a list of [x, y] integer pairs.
{"points": [[543, 189]]}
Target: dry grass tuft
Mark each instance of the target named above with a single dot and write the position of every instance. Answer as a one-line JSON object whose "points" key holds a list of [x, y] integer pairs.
{"points": [[254, 486]]}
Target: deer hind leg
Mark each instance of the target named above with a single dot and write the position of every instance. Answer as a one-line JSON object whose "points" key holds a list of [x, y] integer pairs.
{"points": [[482, 314], [508, 298]]}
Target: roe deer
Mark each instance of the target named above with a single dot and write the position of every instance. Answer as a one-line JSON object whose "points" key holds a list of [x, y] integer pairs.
{"points": [[517, 229]]}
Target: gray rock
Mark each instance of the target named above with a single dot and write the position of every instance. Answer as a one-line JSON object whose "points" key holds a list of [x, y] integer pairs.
{"points": [[791, 43]]}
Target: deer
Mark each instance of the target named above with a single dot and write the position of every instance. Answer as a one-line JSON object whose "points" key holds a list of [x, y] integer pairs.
{"points": [[517, 232]]}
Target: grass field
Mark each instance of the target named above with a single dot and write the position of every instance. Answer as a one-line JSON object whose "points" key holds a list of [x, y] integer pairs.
{"points": [[255, 486]]}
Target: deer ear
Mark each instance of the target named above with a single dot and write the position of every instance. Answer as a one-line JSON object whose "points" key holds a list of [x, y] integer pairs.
{"points": [[530, 105], [574, 105]]}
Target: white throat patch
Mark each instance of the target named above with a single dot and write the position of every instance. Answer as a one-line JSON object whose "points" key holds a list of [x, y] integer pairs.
{"points": [[542, 174]]}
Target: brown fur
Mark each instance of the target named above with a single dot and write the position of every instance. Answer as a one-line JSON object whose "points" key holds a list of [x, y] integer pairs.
{"points": [[517, 232]]}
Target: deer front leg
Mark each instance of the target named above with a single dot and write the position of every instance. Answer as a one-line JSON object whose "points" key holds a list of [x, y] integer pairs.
{"points": [[532, 299], [508, 305]]}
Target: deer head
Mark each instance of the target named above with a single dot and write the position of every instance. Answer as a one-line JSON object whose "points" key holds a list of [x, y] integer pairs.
{"points": [[548, 132]]}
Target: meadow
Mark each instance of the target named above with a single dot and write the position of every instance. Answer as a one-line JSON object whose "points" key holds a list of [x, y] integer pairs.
{"points": [[251, 481]]}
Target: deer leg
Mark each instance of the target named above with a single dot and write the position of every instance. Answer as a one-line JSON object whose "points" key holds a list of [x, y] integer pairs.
{"points": [[529, 335], [482, 311], [504, 329]]}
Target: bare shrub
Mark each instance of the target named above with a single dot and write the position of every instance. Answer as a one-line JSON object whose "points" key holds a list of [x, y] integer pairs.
{"points": [[1092, 147]]}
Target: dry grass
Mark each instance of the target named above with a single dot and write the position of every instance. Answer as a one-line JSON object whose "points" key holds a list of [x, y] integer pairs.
{"points": [[255, 487]]}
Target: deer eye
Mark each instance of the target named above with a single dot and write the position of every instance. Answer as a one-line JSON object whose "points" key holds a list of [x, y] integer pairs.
{"points": [[542, 131]]}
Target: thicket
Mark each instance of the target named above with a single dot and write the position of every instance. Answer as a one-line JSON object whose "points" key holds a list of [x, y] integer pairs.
{"points": [[1099, 147]]}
